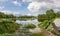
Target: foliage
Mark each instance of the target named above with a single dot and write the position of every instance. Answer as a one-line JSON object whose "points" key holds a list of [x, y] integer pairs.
{"points": [[50, 14], [46, 25], [43, 24], [42, 17], [6, 34], [47, 19], [2, 15], [31, 26], [8, 26], [26, 17], [58, 14]]}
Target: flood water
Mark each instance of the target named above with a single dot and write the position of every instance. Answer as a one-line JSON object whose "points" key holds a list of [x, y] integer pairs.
{"points": [[35, 21]]}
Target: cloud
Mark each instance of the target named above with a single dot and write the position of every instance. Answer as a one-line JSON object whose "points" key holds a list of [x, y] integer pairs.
{"points": [[27, 0], [33, 0], [10, 12], [29, 14], [37, 5], [16, 3]]}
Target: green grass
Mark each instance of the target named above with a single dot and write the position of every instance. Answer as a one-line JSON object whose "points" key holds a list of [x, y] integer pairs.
{"points": [[6, 34], [46, 25]]}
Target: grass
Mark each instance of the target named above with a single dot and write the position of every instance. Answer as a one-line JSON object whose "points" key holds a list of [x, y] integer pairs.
{"points": [[6, 34]]}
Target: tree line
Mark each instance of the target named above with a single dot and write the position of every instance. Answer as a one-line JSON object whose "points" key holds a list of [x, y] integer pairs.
{"points": [[50, 14]]}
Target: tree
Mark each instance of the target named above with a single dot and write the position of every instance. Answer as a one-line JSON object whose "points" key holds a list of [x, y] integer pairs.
{"points": [[50, 13], [2, 15], [42, 17], [58, 14]]}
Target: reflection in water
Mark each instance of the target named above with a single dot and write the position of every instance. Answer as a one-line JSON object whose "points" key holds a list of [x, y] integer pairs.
{"points": [[35, 22], [27, 21]]}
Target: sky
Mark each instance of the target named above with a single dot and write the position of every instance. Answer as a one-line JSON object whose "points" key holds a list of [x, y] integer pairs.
{"points": [[28, 7]]}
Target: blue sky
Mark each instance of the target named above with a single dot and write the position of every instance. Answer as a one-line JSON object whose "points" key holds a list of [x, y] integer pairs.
{"points": [[28, 7]]}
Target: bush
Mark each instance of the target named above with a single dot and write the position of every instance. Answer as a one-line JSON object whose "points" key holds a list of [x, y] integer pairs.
{"points": [[8, 27], [31, 26]]}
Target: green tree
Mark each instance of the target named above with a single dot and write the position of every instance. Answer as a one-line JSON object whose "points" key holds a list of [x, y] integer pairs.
{"points": [[42, 17], [51, 14], [2, 15], [58, 14]]}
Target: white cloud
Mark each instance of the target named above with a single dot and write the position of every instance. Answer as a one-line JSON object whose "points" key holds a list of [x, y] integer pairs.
{"points": [[29, 14], [10, 12], [27, 0], [33, 0], [37, 5], [16, 3], [30, 0]]}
